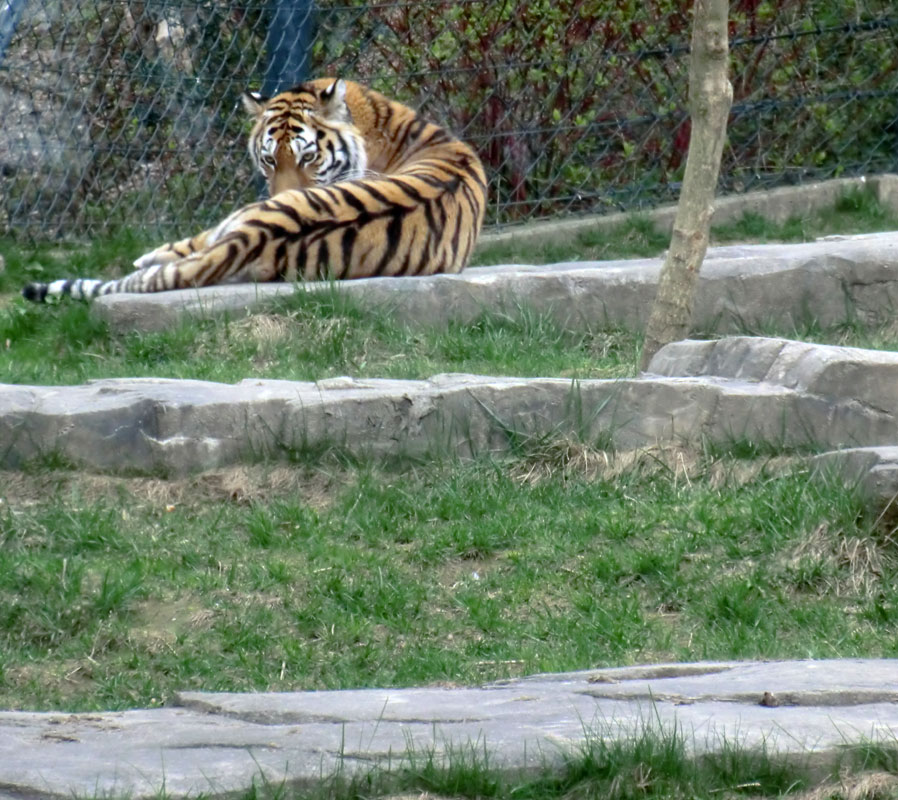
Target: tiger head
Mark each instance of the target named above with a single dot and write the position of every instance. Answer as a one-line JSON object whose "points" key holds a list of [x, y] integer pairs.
{"points": [[305, 137]]}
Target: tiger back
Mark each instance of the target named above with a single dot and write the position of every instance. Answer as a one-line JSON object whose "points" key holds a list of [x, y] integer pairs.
{"points": [[404, 197]]}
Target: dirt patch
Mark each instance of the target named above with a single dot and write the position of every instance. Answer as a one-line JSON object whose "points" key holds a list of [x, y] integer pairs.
{"points": [[158, 623], [243, 484], [462, 572], [61, 680]]}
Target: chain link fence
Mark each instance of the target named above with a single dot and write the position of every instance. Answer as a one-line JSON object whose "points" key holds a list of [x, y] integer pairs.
{"points": [[117, 114]]}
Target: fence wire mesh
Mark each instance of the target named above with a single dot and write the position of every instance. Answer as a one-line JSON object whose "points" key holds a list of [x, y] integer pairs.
{"points": [[122, 114]]}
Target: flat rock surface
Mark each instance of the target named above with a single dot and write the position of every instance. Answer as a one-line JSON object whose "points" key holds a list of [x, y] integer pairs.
{"points": [[740, 287], [215, 743]]}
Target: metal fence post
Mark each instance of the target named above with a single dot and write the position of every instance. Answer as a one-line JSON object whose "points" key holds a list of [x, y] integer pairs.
{"points": [[288, 44]]}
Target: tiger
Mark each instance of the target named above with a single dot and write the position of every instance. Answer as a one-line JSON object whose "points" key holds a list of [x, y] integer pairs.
{"points": [[359, 186]]}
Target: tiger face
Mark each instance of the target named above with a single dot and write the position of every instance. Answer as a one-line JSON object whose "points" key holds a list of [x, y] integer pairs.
{"points": [[305, 139]]}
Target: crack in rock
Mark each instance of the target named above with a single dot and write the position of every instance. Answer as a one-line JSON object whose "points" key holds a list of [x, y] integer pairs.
{"points": [[772, 699], [655, 673]]}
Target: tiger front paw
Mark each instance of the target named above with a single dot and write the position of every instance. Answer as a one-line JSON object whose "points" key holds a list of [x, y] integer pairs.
{"points": [[156, 258]]}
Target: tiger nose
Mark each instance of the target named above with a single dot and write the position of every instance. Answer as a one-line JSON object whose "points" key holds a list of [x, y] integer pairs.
{"points": [[287, 174]]}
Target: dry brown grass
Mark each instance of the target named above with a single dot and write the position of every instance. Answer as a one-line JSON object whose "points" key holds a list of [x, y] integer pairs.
{"points": [[863, 786], [264, 329], [240, 484], [856, 562], [274, 329], [557, 459], [566, 458]]}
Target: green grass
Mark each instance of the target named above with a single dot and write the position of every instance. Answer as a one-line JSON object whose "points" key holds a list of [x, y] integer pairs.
{"points": [[306, 337], [115, 593], [636, 238], [857, 211]]}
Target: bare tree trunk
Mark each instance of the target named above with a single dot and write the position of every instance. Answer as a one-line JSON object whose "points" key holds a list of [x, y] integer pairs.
{"points": [[710, 96]]}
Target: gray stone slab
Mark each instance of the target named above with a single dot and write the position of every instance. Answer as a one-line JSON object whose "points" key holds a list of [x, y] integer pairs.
{"points": [[220, 743], [183, 426], [741, 288], [866, 377], [764, 390], [149, 425], [873, 470]]}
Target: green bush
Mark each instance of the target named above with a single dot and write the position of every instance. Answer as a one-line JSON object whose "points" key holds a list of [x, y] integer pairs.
{"points": [[582, 106]]}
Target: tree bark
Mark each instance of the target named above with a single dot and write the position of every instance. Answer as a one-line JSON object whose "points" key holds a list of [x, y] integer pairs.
{"points": [[710, 97]]}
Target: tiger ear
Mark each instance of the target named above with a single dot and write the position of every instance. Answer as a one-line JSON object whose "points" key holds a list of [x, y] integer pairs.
{"points": [[333, 101], [253, 102]]}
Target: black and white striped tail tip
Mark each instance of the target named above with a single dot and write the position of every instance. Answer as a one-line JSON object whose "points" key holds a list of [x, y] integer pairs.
{"points": [[35, 292], [76, 288]]}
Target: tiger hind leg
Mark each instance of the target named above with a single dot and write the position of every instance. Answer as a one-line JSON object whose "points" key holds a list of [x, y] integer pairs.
{"points": [[238, 249], [234, 257], [184, 248]]}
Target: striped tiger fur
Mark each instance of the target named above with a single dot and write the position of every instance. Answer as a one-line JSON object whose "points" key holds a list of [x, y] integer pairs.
{"points": [[360, 186]]}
